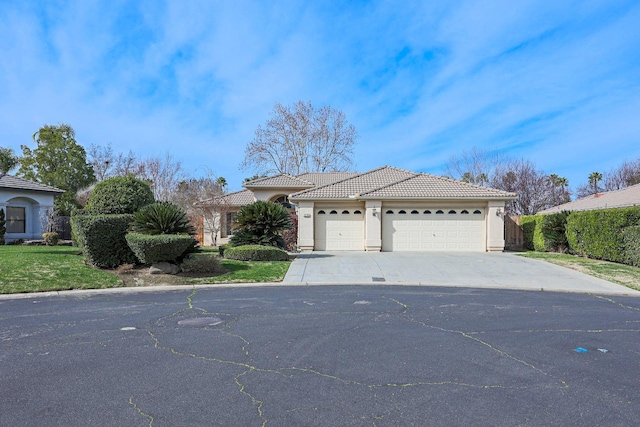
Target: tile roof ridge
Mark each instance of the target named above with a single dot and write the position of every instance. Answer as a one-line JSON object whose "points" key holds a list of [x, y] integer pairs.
{"points": [[30, 182], [357, 174], [265, 178], [468, 184], [415, 175]]}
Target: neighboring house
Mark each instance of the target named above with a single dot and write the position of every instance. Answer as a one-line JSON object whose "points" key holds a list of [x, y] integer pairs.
{"points": [[386, 209], [25, 204], [626, 197]]}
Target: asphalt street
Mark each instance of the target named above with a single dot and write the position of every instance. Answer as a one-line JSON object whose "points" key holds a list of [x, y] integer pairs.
{"points": [[321, 355]]}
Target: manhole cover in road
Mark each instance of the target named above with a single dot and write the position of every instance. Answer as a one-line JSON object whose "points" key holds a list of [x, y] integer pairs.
{"points": [[201, 321]]}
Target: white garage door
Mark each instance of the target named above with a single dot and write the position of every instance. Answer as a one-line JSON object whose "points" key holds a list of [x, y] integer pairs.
{"points": [[439, 229], [339, 229]]}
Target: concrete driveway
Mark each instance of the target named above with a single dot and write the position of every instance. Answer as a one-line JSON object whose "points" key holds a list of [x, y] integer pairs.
{"points": [[459, 269]]}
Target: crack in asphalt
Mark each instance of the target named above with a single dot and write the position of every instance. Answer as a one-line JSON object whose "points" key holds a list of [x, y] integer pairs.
{"points": [[139, 411], [248, 368]]}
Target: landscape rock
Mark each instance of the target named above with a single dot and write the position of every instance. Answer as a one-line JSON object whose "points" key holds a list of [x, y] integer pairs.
{"points": [[164, 268]]}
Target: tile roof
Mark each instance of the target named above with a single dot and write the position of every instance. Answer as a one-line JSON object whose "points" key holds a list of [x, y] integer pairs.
{"points": [[324, 178], [629, 196], [426, 186], [279, 181], [239, 198], [15, 183], [355, 185]]}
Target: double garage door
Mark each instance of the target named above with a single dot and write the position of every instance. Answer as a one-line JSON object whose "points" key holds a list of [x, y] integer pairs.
{"points": [[403, 229], [433, 229]]}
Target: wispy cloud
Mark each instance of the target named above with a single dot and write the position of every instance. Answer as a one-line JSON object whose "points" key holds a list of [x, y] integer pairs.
{"points": [[558, 83]]}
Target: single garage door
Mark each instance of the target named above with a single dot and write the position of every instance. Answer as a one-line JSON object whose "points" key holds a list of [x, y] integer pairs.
{"points": [[433, 229], [339, 229]]}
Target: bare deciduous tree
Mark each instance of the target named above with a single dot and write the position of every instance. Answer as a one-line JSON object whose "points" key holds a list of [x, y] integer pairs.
{"points": [[625, 175], [204, 198], [535, 190], [476, 166], [301, 138]]}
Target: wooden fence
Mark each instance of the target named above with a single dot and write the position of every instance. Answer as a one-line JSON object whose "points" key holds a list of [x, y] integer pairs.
{"points": [[513, 235]]}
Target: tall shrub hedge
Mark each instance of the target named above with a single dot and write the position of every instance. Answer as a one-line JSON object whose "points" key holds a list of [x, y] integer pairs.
{"points": [[598, 234], [102, 239], [532, 229], [119, 195], [631, 245]]}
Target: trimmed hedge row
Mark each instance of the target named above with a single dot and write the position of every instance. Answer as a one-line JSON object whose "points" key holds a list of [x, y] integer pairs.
{"points": [[255, 253], [598, 234], [608, 234], [160, 247], [101, 239], [631, 245]]}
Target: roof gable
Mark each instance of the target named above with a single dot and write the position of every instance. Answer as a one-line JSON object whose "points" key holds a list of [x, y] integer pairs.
{"points": [[426, 186], [351, 187], [15, 183]]}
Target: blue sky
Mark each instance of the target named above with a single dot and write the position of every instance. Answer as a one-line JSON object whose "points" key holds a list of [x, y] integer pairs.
{"points": [[554, 82]]}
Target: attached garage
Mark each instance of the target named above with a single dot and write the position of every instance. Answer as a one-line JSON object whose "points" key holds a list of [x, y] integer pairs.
{"points": [[415, 228], [339, 229]]}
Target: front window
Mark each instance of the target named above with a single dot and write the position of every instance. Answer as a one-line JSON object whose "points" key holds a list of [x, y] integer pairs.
{"points": [[16, 220], [230, 219]]}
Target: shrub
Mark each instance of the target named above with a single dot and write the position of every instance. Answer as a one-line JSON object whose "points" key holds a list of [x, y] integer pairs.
{"points": [[598, 234], [631, 245], [201, 263], [162, 218], [532, 230], [119, 195], [290, 236], [256, 253], [553, 228], [101, 239], [3, 229], [222, 248], [150, 249], [51, 239], [261, 223]]}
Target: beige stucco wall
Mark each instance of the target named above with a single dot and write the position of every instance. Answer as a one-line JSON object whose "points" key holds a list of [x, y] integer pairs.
{"points": [[495, 226], [373, 226], [305, 225]]}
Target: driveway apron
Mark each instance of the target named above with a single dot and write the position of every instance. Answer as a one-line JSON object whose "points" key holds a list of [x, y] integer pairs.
{"points": [[459, 269]]}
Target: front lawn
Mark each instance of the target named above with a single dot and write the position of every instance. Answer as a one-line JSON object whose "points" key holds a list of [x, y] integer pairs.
{"points": [[49, 268], [613, 272], [57, 268], [247, 272]]}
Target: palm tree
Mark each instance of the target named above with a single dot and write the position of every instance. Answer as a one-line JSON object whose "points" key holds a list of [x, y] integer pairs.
{"points": [[594, 179]]}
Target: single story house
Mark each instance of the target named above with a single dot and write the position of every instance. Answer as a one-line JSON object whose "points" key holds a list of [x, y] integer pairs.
{"points": [[25, 204], [623, 198], [385, 209]]}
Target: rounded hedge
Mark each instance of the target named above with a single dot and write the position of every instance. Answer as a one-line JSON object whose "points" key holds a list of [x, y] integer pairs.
{"points": [[255, 253], [150, 249], [119, 195]]}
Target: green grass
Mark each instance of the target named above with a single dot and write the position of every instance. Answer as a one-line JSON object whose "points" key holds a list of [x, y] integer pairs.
{"points": [[247, 272], [58, 268], [618, 273], [49, 268]]}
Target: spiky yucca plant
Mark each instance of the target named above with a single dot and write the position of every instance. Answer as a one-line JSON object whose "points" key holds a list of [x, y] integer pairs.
{"points": [[162, 218], [261, 223]]}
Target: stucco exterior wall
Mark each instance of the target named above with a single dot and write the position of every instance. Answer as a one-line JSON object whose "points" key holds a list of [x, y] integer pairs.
{"points": [[36, 205], [495, 226]]}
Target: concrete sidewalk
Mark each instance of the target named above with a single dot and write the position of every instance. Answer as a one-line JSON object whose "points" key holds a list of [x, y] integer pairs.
{"points": [[466, 269]]}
